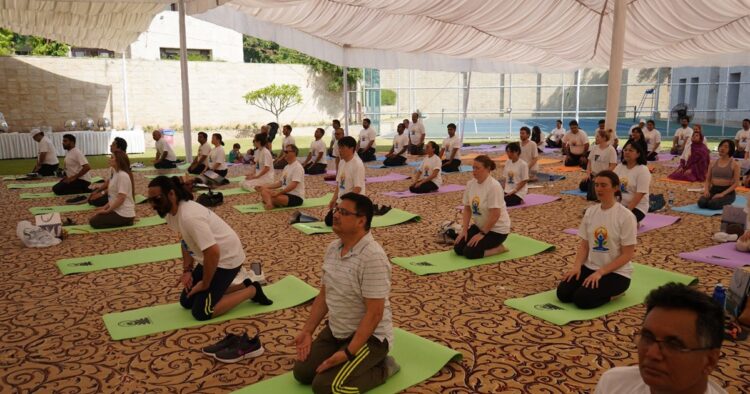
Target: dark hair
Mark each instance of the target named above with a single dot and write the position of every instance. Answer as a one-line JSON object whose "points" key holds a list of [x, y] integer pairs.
{"points": [[686, 118], [709, 315], [435, 146], [123, 164], [172, 184], [526, 129], [261, 138], [366, 120], [363, 206], [638, 148], [336, 121], [639, 131], [218, 137], [732, 147], [70, 137], [573, 123], [558, 121], [273, 128], [202, 134], [601, 121], [400, 126], [651, 121], [486, 162], [322, 131], [614, 180], [452, 126], [288, 126], [746, 120], [348, 142], [513, 147], [536, 134], [121, 144], [236, 145], [294, 148]]}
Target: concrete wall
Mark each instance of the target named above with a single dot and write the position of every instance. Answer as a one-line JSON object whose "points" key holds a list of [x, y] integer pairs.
{"points": [[42, 91], [713, 98]]}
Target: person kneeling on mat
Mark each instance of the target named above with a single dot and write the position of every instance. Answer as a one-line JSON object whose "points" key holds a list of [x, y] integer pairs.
{"points": [[199, 163], [212, 256], [366, 144], [516, 174], [350, 176], [350, 355], [427, 178], [451, 153], [119, 211], [397, 155], [483, 201], [602, 268], [291, 183]]}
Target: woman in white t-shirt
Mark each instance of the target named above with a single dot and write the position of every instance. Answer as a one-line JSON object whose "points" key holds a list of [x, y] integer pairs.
{"points": [[635, 180], [427, 178], [602, 156], [483, 202], [263, 172], [516, 176], [602, 268], [120, 209], [217, 159]]}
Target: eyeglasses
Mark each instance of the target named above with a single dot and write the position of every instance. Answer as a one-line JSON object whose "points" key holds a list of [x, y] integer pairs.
{"points": [[154, 200], [344, 212], [669, 346]]}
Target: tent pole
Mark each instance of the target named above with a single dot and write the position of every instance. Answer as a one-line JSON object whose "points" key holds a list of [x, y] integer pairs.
{"points": [[467, 90], [578, 92], [186, 129], [125, 93], [346, 100], [614, 84]]}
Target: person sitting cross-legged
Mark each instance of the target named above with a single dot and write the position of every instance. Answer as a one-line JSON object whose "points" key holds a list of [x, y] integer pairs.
{"points": [[77, 177], [46, 162], [198, 166], [451, 152], [397, 155], [316, 163], [291, 185], [575, 146], [694, 161], [262, 173], [280, 163], [366, 143], [350, 176], [427, 177], [516, 176], [602, 156], [722, 180], [98, 196], [119, 210], [165, 156]]}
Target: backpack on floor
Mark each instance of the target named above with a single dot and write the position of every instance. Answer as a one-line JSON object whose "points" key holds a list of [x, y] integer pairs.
{"points": [[448, 232], [210, 199], [656, 202]]}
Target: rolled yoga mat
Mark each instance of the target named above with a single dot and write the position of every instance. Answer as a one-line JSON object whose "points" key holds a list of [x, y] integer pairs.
{"points": [[122, 259], [307, 203], [391, 177], [419, 358], [739, 202], [393, 217], [435, 263], [547, 307], [74, 208], [44, 184], [725, 255], [285, 293], [652, 221], [148, 221], [442, 189]]}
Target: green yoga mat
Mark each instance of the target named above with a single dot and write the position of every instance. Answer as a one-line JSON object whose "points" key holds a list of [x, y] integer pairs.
{"points": [[183, 166], [142, 222], [518, 245], [36, 196], [308, 203], [547, 307], [34, 185], [121, 259], [285, 293], [419, 358], [232, 192], [74, 208], [393, 217]]}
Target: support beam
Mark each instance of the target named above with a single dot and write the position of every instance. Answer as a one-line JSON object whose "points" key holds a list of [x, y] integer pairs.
{"points": [[346, 100], [578, 92], [125, 93], [186, 129], [465, 105], [615, 64]]}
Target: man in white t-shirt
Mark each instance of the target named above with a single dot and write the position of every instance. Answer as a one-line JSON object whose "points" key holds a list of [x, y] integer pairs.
{"points": [[653, 140], [741, 139], [316, 163], [515, 176], [350, 176], [451, 151], [366, 143], [335, 125], [529, 152], [280, 162], [417, 135], [289, 190], [681, 136], [575, 146], [77, 177], [201, 159], [554, 140], [679, 346], [337, 135], [165, 157], [46, 162], [397, 155]]}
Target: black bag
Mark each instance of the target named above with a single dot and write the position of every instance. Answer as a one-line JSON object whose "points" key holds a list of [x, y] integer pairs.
{"points": [[656, 202], [210, 199]]}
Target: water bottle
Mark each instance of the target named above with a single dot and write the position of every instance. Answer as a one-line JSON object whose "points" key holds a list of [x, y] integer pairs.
{"points": [[670, 198], [720, 294], [551, 178]]}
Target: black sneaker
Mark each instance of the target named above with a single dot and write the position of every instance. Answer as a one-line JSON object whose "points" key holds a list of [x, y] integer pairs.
{"points": [[76, 200], [229, 340], [244, 348]]}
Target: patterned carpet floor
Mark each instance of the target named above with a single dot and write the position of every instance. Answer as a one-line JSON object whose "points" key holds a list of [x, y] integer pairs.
{"points": [[54, 339]]}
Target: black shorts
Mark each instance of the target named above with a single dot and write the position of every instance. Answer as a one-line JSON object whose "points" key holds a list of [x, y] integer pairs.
{"points": [[294, 201], [202, 304]]}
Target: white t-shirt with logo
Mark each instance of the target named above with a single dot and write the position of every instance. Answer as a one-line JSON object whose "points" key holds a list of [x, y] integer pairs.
{"points": [[528, 153], [204, 150], [162, 146], [634, 180], [319, 147], [653, 137], [294, 173], [416, 131], [351, 174], [607, 231], [400, 141], [120, 183], [577, 141], [743, 136], [46, 146], [365, 136], [557, 134], [201, 228], [683, 135], [263, 158], [600, 159], [481, 197], [430, 164], [74, 162], [286, 142], [217, 155], [515, 173], [449, 144], [628, 380]]}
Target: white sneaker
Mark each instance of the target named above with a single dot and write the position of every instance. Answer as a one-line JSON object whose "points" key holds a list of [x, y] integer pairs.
{"points": [[241, 276], [732, 237], [721, 237], [256, 273]]}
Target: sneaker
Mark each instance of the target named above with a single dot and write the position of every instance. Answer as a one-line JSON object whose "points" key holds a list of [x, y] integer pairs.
{"points": [[243, 348], [229, 340], [256, 273], [76, 200], [391, 367], [295, 217], [241, 276], [720, 237]]}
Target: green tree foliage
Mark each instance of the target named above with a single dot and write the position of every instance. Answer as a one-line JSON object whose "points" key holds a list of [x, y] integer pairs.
{"points": [[275, 98], [387, 97], [6, 43], [262, 51], [11, 42]]}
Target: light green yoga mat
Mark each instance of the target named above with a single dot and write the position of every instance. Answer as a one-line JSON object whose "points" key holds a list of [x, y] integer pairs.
{"points": [[307, 203], [121, 259], [547, 307], [285, 293], [232, 192], [36, 196], [142, 222], [419, 358], [518, 245], [33, 185], [74, 208], [183, 166], [393, 217]]}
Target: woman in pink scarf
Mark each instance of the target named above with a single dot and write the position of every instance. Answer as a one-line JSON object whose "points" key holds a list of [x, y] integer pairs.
{"points": [[695, 160]]}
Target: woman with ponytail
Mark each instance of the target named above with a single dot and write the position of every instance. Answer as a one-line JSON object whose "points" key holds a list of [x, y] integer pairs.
{"points": [[119, 211], [217, 159]]}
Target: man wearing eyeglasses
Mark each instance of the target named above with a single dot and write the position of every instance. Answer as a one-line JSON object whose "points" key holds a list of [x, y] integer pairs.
{"points": [[291, 185], [678, 346], [350, 354], [350, 176]]}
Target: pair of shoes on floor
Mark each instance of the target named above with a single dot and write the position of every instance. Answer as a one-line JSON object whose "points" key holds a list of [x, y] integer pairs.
{"points": [[233, 348], [724, 237], [301, 217], [380, 210], [77, 200]]}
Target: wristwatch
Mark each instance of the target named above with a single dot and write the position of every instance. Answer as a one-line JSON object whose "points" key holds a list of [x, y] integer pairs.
{"points": [[349, 354]]}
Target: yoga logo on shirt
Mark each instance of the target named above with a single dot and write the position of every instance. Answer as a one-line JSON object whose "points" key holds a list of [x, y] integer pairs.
{"points": [[283, 180], [342, 182], [511, 174], [135, 322], [426, 172], [475, 206], [623, 185], [600, 237], [257, 166]]}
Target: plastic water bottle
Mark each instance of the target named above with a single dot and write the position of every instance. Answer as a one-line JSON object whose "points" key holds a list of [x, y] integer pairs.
{"points": [[720, 294], [670, 198]]}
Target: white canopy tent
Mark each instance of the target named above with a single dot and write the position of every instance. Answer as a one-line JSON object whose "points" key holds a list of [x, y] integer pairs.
{"points": [[448, 35]]}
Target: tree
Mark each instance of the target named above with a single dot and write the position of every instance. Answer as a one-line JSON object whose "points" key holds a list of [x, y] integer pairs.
{"points": [[275, 98], [6, 42]]}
